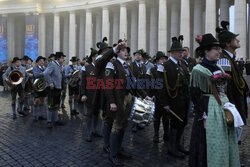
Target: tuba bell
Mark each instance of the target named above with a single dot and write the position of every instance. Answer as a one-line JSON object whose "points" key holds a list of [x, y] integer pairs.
{"points": [[15, 77], [39, 85], [74, 79]]}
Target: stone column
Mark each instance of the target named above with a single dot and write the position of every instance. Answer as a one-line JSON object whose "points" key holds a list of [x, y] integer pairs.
{"points": [[81, 36], [66, 36], [153, 36], [198, 6], [11, 37], [88, 32], [224, 10], [185, 22], [105, 23], [72, 34], [115, 27], [123, 22], [175, 19], [240, 26], [142, 29], [56, 33], [210, 24], [42, 34], [134, 30], [162, 26], [98, 28]]}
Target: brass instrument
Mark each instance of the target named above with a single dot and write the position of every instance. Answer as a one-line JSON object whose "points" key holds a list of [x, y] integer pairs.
{"points": [[15, 78], [74, 79], [30, 69], [28, 83], [143, 111], [39, 85]]}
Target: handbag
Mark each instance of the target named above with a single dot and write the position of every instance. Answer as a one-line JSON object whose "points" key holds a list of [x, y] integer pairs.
{"points": [[228, 114]]}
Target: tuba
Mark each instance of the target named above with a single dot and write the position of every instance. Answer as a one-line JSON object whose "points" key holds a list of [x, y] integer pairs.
{"points": [[74, 79], [39, 85], [15, 78], [142, 111]]}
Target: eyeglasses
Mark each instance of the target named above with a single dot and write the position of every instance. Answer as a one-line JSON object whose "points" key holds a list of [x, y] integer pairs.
{"points": [[216, 48]]}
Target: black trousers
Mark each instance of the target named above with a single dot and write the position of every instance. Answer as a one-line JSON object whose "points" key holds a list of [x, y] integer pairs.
{"points": [[18, 89], [54, 98]]}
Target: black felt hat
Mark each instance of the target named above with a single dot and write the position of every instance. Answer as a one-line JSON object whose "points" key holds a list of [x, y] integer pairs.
{"points": [[15, 59], [177, 44], [206, 41], [224, 35], [59, 55], [160, 54], [51, 55], [39, 58], [74, 59]]}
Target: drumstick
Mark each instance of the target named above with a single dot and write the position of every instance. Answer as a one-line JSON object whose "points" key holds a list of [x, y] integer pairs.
{"points": [[175, 115]]}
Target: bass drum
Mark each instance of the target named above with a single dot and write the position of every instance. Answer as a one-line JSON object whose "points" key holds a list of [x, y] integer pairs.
{"points": [[142, 111]]}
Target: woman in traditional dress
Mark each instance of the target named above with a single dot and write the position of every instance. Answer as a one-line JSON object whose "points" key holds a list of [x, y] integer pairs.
{"points": [[213, 142]]}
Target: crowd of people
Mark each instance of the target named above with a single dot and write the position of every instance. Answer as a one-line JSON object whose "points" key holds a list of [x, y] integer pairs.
{"points": [[214, 87]]}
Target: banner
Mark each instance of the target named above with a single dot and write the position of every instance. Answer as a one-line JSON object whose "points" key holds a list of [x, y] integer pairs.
{"points": [[31, 37], [3, 40]]}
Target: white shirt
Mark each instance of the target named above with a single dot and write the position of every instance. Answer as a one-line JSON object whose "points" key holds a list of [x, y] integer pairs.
{"points": [[175, 61]]}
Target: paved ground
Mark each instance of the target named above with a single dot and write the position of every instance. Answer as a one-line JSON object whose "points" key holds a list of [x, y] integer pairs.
{"points": [[25, 143]]}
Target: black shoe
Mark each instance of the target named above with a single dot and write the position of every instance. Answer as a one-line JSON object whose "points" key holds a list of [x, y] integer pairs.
{"points": [[75, 112], [14, 116], [59, 123], [182, 150], [124, 155], [96, 134], [22, 113], [176, 154], [41, 118], [115, 161], [35, 120], [156, 139], [165, 138], [89, 138], [49, 125], [106, 149]]}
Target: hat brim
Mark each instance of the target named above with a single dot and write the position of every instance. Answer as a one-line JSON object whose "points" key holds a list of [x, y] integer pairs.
{"points": [[40, 59], [207, 46], [16, 60], [128, 48], [99, 51], [172, 50]]}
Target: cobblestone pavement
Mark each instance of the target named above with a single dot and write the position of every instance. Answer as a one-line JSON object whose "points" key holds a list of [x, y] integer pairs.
{"points": [[25, 143]]}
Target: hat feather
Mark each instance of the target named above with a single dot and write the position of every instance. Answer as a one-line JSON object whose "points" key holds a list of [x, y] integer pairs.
{"points": [[224, 25], [105, 39]]}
